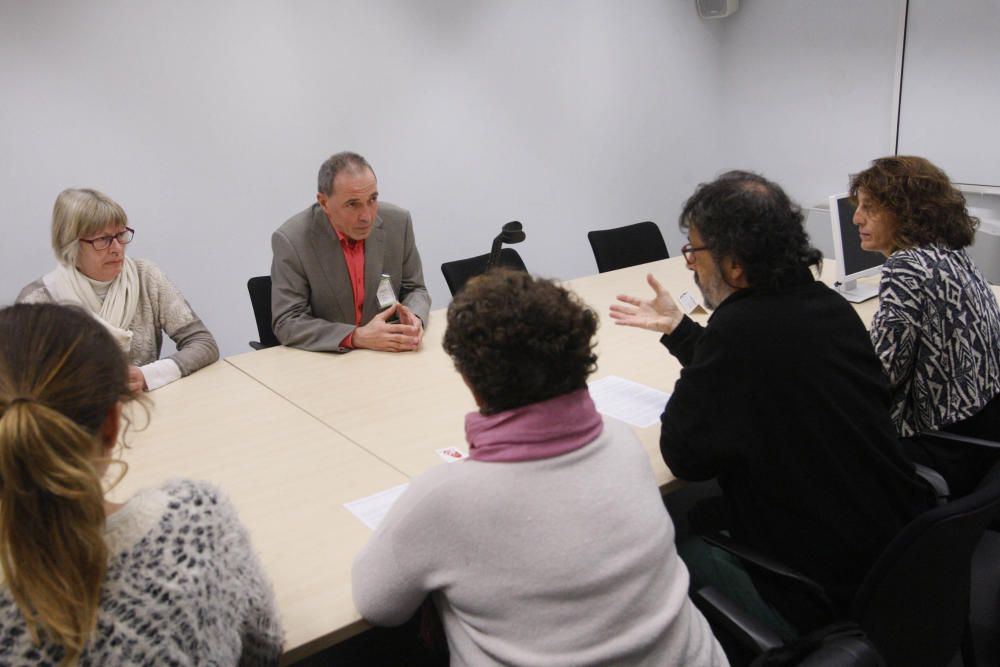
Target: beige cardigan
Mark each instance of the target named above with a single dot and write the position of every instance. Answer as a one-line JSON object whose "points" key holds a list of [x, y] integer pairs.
{"points": [[161, 308]]}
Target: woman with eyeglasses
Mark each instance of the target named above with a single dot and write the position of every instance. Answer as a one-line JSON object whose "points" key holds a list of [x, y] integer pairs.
{"points": [[131, 297]]}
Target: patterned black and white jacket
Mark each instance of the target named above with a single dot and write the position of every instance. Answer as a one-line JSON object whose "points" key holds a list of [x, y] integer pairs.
{"points": [[183, 587], [937, 332]]}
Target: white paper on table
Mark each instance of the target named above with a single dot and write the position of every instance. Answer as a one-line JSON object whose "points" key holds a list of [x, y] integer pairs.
{"points": [[372, 509], [631, 402]]}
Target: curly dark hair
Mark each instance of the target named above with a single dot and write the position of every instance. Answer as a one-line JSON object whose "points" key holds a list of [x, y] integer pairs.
{"points": [[519, 340], [924, 205], [744, 216]]}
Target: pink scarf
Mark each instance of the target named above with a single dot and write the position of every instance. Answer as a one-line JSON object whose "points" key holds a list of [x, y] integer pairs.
{"points": [[537, 431]]}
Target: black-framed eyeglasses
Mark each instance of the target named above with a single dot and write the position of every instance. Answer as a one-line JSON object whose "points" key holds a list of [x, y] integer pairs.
{"points": [[689, 250], [104, 242]]}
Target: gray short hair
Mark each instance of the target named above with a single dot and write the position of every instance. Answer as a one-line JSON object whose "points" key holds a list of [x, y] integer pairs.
{"points": [[343, 161], [79, 213]]}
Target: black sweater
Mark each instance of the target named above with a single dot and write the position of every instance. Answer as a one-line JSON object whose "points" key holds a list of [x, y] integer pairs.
{"points": [[783, 399]]}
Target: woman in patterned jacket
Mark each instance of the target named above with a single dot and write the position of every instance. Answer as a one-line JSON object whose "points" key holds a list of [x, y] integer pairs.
{"points": [[167, 578], [130, 297], [937, 329]]}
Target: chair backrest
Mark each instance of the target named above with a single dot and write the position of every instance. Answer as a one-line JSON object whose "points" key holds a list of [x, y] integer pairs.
{"points": [[627, 246], [457, 273], [260, 298], [914, 603]]}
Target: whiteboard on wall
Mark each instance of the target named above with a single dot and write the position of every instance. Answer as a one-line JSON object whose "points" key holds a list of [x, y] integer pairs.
{"points": [[949, 108]]}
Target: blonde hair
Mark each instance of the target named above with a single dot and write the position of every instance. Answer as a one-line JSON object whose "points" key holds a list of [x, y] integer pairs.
{"points": [[61, 375], [79, 213]]}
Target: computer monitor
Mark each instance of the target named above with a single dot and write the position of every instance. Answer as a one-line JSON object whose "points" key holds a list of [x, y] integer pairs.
{"points": [[852, 261]]}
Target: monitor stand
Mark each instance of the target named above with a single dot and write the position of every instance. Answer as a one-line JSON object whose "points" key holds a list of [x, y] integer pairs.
{"points": [[856, 293]]}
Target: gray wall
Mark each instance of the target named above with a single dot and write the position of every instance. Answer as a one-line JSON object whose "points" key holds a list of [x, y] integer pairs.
{"points": [[948, 111], [809, 94], [207, 121]]}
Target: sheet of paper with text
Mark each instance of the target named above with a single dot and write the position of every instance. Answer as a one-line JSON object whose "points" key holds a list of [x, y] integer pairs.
{"points": [[628, 401]]}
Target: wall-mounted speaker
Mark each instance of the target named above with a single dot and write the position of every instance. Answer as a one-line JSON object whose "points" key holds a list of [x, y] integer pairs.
{"points": [[717, 9]]}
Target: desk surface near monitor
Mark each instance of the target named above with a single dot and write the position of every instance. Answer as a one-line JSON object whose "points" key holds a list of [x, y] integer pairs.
{"points": [[288, 476]]}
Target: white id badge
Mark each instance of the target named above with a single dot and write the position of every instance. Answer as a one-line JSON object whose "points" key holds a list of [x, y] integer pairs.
{"points": [[386, 297], [688, 303]]}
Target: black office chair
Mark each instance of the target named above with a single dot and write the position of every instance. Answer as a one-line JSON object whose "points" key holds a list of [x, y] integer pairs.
{"points": [[260, 298], [836, 645], [914, 603], [627, 246], [979, 454], [457, 273]]}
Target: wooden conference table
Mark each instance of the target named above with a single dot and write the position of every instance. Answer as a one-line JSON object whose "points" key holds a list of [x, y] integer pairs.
{"points": [[288, 476], [291, 436]]}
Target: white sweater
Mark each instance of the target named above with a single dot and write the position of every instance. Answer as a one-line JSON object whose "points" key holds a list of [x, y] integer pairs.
{"points": [[183, 587], [562, 561]]}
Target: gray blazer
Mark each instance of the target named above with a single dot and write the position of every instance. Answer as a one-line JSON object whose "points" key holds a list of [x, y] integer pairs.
{"points": [[312, 303]]}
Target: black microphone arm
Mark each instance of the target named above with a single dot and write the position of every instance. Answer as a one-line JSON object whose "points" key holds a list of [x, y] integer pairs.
{"points": [[512, 232]]}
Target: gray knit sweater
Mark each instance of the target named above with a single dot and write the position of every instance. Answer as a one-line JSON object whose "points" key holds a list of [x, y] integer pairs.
{"points": [[183, 587], [161, 308], [568, 561]]}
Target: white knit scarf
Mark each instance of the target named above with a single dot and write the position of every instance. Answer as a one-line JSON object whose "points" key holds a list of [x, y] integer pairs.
{"points": [[67, 285]]}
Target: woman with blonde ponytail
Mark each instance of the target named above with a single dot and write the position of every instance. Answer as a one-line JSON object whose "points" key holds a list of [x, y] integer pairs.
{"points": [[89, 582]]}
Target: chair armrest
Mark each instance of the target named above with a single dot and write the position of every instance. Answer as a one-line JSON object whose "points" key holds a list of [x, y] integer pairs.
{"points": [[721, 612], [946, 438], [844, 652], [756, 559], [934, 480], [838, 645]]}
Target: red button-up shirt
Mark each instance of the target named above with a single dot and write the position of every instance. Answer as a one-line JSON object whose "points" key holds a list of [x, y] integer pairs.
{"points": [[354, 256]]}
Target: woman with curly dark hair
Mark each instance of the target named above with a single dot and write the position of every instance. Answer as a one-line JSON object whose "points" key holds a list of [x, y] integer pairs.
{"points": [[937, 329], [550, 544]]}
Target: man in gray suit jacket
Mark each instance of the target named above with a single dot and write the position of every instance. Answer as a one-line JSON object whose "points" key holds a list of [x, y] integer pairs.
{"points": [[328, 263]]}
